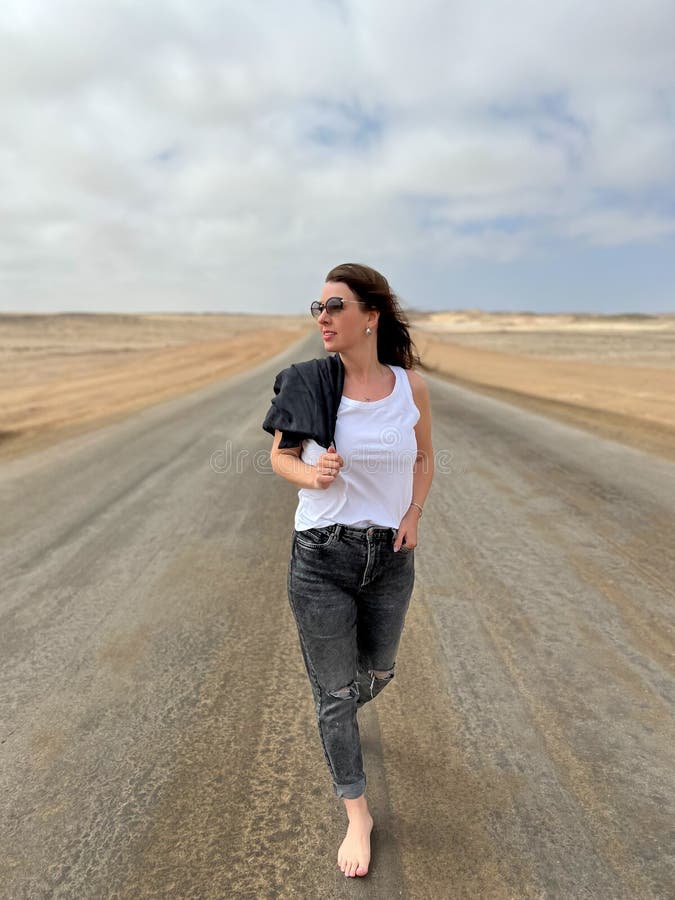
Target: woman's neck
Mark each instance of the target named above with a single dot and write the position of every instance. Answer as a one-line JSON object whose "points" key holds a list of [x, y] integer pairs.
{"points": [[362, 367]]}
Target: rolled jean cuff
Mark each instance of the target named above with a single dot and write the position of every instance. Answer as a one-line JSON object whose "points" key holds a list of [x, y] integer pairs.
{"points": [[350, 791]]}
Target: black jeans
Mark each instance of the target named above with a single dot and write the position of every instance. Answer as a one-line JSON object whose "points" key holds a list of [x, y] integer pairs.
{"points": [[349, 592]]}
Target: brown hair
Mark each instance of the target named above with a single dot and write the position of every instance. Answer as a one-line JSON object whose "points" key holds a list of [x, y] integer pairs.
{"points": [[394, 344]]}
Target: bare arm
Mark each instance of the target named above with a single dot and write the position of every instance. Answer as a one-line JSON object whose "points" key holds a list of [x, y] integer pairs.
{"points": [[288, 464], [423, 471]]}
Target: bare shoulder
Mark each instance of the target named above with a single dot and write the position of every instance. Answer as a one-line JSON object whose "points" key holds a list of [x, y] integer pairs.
{"points": [[422, 401], [418, 385]]}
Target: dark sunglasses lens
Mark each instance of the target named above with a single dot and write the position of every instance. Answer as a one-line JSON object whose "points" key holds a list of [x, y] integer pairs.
{"points": [[333, 304]]}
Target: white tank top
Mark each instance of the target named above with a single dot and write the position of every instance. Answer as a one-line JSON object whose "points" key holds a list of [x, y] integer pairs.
{"points": [[377, 441]]}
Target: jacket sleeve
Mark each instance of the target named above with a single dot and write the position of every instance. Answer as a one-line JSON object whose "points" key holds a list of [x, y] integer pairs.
{"points": [[286, 410]]}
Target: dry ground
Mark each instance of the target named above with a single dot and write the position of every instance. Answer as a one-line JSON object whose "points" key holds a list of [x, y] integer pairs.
{"points": [[63, 374], [614, 375], [158, 728]]}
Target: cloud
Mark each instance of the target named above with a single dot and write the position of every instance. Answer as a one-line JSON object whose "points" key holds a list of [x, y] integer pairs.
{"points": [[610, 227], [214, 153]]}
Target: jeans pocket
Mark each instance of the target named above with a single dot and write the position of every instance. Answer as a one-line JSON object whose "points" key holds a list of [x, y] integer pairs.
{"points": [[315, 538]]}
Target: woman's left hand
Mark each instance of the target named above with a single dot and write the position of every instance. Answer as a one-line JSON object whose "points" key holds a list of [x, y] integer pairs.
{"points": [[407, 530]]}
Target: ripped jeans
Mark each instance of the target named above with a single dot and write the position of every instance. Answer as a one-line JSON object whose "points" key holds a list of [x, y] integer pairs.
{"points": [[349, 593]]}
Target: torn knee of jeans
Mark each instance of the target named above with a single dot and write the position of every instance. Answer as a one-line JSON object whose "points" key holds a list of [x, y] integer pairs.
{"points": [[350, 692], [382, 674]]}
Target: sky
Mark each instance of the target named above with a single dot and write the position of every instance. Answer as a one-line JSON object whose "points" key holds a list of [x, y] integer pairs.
{"points": [[223, 156]]}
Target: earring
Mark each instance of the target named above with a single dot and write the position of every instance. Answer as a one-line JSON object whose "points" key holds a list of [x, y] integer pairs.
{"points": [[368, 331]]}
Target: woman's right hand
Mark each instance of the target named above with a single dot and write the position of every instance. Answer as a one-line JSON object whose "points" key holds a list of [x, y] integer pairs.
{"points": [[328, 468]]}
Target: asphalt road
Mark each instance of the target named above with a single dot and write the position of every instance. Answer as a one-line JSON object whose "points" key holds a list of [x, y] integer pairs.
{"points": [[156, 724]]}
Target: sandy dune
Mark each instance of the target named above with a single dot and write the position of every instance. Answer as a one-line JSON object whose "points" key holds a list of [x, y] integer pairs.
{"points": [[63, 374]]}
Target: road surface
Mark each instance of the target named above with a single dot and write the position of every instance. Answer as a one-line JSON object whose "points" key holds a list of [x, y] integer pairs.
{"points": [[157, 728]]}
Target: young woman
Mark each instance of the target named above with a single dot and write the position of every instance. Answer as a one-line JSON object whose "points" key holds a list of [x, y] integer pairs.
{"points": [[351, 571]]}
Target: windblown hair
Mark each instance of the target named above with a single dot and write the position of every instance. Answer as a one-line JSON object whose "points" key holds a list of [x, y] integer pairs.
{"points": [[394, 344]]}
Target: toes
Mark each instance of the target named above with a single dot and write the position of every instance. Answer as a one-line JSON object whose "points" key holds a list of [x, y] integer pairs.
{"points": [[353, 868]]}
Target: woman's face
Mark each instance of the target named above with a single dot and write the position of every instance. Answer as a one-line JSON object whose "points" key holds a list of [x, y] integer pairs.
{"points": [[346, 327]]}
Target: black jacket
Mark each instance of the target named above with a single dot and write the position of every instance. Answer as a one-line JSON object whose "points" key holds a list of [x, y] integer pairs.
{"points": [[306, 402]]}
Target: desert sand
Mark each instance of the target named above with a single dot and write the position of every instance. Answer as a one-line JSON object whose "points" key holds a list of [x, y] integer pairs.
{"points": [[67, 373], [614, 375], [64, 374]]}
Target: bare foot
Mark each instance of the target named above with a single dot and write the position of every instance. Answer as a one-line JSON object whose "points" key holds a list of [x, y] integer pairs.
{"points": [[354, 853]]}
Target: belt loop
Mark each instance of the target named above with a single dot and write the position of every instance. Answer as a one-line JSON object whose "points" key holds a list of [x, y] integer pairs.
{"points": [[338, 530]]}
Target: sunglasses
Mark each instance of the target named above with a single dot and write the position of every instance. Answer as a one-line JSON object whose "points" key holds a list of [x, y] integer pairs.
{"points": [[332, 305]]}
